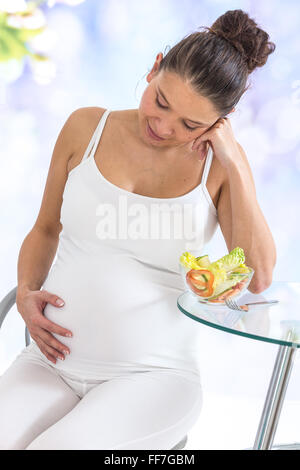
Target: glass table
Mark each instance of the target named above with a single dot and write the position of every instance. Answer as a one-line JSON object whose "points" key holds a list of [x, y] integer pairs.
{"points": [[277, 323]]}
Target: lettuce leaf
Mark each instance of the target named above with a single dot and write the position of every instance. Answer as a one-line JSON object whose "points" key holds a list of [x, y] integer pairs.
{"points": [[189, 261], [231, 261]]}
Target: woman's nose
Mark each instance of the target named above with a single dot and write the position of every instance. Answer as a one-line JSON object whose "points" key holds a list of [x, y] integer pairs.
{"points": [[164, 130]]}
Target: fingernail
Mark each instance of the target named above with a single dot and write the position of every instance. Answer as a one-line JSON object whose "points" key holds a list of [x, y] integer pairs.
{"points": [[60, 302], [69, 335]]}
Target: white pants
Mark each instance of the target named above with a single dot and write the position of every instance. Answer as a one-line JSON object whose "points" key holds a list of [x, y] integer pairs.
{"points": [[42, 408]]}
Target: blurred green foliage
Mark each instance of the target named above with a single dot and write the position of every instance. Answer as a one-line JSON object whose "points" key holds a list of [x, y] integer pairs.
{"points": [[13, 40]]}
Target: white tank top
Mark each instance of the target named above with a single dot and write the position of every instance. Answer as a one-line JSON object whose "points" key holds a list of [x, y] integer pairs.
{"points": [[117, 269]]}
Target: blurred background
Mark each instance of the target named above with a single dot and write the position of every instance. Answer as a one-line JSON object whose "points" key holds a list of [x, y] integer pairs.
{"points": [[59, 55]]}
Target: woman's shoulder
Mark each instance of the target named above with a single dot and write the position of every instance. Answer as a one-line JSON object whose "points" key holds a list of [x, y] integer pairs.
{"points": [[87, 116], [85, 121]]}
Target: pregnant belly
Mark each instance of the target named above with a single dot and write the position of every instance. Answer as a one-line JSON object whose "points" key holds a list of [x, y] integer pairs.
{"points": [[115, 313]]}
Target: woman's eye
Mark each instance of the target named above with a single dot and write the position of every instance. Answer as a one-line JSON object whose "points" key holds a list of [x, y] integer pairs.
{"points": [[185, 125], [190, 128], [160, 105]]}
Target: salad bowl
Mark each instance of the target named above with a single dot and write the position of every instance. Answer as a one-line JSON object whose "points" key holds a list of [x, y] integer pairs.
{"points": [[214, 282]]}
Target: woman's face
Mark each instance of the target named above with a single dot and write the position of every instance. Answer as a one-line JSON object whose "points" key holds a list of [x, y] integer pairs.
{"points": [[170, 107]]}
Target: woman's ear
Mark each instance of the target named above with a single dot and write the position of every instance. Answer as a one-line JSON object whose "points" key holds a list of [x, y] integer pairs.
{"points": [[155, 67]]}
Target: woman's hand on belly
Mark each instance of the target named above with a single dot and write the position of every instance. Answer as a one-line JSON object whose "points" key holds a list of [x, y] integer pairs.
{"points": [[31, 305]]}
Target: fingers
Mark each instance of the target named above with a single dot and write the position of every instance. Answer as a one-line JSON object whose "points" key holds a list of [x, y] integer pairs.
{"points": [[52, 298], [53, 343], [47, 351], [42, 333], [54, 328], [201, 149], [208, 135], [48, 344]]}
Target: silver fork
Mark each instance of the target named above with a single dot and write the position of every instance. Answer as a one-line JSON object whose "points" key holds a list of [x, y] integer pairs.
{"points": [[234, 306]]}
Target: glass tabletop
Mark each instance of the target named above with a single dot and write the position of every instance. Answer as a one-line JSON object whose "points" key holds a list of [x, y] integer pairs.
{"points": [[275, 323]]}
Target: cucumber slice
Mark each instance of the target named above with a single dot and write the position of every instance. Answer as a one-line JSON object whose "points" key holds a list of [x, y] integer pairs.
{"points": [[203, 261], [219, 295], [241, 270], [223, 287], [238, 275]]}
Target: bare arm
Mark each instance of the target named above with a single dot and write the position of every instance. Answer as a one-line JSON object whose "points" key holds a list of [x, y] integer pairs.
{"points": [[35, 258], [39, 247], [243, 224]]}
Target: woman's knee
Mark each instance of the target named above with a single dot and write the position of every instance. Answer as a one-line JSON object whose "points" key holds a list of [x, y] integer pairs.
{"points": [[32, 398]]}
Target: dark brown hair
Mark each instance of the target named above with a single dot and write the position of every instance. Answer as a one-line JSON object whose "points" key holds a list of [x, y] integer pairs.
{"points": [[216, 62]]}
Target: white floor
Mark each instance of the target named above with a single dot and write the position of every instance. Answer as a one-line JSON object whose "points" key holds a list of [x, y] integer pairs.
{"points": [[230, 423], [235, 375]]}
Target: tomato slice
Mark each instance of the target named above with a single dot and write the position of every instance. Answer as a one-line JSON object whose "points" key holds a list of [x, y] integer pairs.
{"points": [[230, 292], [200, 281]]}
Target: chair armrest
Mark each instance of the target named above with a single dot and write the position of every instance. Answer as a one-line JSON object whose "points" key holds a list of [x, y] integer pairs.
{"points": [[5, 305]]}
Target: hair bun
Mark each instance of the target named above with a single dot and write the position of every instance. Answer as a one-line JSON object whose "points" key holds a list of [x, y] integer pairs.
{"points": [[243, 33]]}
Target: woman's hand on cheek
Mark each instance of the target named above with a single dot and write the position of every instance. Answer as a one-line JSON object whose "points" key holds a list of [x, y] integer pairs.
{"points": [[221, 138], [201, 148]]}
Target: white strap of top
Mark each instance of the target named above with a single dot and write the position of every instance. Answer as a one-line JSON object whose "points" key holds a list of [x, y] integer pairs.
{"points": [[96, 136], [207, 166]]}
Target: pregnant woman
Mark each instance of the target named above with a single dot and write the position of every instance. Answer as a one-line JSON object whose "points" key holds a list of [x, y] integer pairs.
{"points": [[115, 366]]}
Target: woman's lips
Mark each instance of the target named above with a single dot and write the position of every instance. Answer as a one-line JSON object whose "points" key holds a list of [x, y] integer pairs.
{"points": [[152, 134]]}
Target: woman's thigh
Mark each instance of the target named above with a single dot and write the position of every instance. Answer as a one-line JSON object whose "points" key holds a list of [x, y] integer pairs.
{"points": [[148, 410], [32, 398]]}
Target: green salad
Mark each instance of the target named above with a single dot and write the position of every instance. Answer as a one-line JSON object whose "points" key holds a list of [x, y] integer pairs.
{"points": [[218, 280]]}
